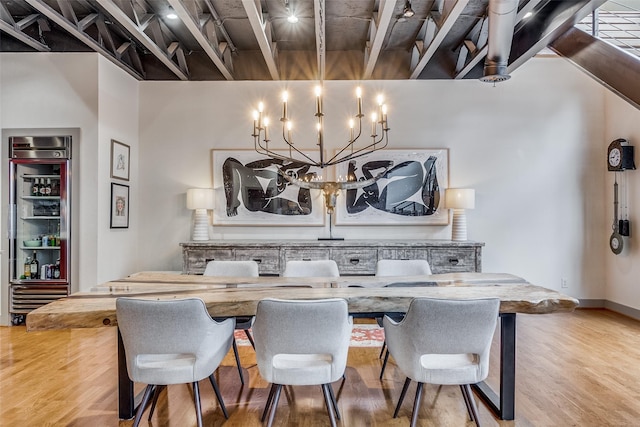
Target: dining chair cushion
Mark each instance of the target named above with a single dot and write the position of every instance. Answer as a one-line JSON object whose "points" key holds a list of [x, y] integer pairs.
{"points": [[232, 268], [402, 267]]}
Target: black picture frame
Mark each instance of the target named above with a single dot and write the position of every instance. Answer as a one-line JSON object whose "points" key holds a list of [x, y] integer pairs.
{"points": [[120, 160], [119, 206]]}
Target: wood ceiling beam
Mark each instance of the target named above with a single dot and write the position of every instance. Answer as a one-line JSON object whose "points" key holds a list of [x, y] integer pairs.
{"points": [[15, 29], [72, 28], [193, 25], [153, 46], [321, 45], [445, 26], [262, 31], [379, 30]]}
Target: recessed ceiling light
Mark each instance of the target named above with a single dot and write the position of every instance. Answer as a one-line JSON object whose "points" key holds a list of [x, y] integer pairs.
{"points": [[171, 14], [407, 11], [527, 15], [292, 18]]}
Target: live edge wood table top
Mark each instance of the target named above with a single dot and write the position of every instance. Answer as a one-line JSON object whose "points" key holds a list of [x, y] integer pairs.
{"points": [[227, 296]]}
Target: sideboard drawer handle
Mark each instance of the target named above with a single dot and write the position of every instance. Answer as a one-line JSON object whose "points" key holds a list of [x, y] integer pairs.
{"points": [[206, 261], [306, 259], [258, 260], [354, 261], [453, 261]]}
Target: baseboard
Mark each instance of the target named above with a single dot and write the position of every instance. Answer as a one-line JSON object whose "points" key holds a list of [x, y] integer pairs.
{"points": [[634, 313]]}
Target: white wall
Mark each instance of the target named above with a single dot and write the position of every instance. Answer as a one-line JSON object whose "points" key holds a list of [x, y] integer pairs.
{"points": [[117, 249], [623, 271], [529, 146]]}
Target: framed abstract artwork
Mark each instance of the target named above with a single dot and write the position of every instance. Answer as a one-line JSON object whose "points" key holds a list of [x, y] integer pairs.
{"points": [[120, 161], [249, 190], [410, 190]]}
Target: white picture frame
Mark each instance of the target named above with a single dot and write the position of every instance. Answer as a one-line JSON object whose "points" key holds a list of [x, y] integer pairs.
{"points": [[407, 181]]}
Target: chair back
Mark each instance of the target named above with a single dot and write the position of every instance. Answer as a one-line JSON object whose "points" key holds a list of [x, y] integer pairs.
{"points": [[316, 268], [402, 267], [439, 326], [231, 268], [173, 327], [312, 327]]}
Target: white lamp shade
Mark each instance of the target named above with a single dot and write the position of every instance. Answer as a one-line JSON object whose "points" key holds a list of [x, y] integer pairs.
{"points": [[200, 198], [460, 198]]}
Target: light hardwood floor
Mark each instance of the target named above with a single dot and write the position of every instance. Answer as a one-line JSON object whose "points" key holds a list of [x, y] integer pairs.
{"points": [[576, 369]]}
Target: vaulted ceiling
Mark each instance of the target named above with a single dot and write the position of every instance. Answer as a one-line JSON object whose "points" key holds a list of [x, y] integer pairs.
{"points": [[333, 39]]}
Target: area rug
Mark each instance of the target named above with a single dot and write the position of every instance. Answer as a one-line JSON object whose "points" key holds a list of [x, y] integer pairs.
{"points": [[361, 336]]}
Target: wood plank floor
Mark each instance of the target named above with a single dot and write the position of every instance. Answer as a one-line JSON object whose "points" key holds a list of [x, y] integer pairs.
{"points": [[575, 369]]}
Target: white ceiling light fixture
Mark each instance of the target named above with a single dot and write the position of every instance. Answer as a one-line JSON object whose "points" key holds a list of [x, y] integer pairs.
{"points": [[171, 14], [527, 15], [407, 12], [292, 18]]}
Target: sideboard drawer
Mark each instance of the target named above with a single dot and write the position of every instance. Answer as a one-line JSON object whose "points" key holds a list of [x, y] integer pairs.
{"points": [[196, 260], [403, 253], [355, 261], [453, 260], [268, 259], [305, 254]]}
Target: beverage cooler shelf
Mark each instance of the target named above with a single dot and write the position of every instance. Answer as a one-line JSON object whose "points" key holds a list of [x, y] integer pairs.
{"points": [[40, 248]]}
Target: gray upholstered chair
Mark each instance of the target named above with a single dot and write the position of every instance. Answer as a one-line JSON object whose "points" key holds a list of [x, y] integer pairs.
{"points": [[316, 268], [172, 342], [302, 342], [235, 269], [400, 267], [445, 342]]}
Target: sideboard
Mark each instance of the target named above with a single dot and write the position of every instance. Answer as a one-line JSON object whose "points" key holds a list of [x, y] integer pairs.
{"points": [[354, 257]]}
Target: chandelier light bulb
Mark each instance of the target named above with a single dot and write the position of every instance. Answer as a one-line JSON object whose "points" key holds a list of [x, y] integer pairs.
{"points": [[384, 108], [260, 107], [351, 123], [318, 90], [266, 121], [289, 125], [359, 92], [285, 96], [380, 99], [255, 114]]}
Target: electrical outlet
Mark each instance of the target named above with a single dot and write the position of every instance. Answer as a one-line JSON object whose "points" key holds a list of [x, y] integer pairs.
{"points": [[563, 283]]}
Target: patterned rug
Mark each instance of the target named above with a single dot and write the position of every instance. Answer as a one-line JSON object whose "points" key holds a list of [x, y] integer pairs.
{"points": [[362, 335]]}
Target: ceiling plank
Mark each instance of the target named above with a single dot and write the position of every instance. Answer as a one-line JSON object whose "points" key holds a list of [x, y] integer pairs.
{"points": [[381, 26], [193, 25], [9, 26], [262, 31], [321, 45], [445, 27], [56, 17], [143, 38]]}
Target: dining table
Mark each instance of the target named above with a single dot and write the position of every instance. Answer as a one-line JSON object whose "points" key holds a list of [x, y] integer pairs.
{"points": [[367, 296]]}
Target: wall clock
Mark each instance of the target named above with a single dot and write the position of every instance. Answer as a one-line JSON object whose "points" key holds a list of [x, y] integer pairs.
{"points": [[620, 156]]}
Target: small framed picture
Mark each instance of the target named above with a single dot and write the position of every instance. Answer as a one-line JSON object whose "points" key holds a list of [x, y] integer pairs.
{"points": [[119, 160], [119, 206]]}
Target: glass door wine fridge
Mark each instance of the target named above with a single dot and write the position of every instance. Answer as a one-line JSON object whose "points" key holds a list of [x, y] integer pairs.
{"points": [[39, 222]]}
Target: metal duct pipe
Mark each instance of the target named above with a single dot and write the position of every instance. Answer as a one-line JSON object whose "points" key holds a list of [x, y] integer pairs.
{"points": [[502, 19]]}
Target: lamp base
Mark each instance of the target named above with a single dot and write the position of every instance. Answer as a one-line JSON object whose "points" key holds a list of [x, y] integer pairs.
{"points": [[459, 225], [200, 225]]}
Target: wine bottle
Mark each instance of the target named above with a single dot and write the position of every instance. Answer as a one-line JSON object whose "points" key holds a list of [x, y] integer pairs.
{"points": [[27, 268], [47, 188], [35, 266], [35, 188]]}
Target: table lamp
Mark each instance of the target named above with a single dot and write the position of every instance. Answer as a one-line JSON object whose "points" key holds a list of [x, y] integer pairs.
{"points": [[200, 199], [459, 199]]}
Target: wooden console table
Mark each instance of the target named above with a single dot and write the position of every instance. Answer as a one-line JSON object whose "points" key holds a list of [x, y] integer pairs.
{"points": [[354, 257]]}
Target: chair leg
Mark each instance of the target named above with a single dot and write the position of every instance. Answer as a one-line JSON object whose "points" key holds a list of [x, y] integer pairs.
{"points": [[472, 403], [334, 401], [329, 403], [143, 404], [268, 404], [214, 384], [196, 401], [384, 345], [384, 364], [156, 394], [466, 402], [402, 394], [235, 353], [416, 405], [274, 405], [248, 334]]}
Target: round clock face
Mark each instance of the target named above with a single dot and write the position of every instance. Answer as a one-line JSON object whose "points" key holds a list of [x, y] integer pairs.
{"points": [[615, 242], [615, 157]]}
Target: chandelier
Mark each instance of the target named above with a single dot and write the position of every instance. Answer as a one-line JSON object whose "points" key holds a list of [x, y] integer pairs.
{"points": [[377, 140], [378, 137]]}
